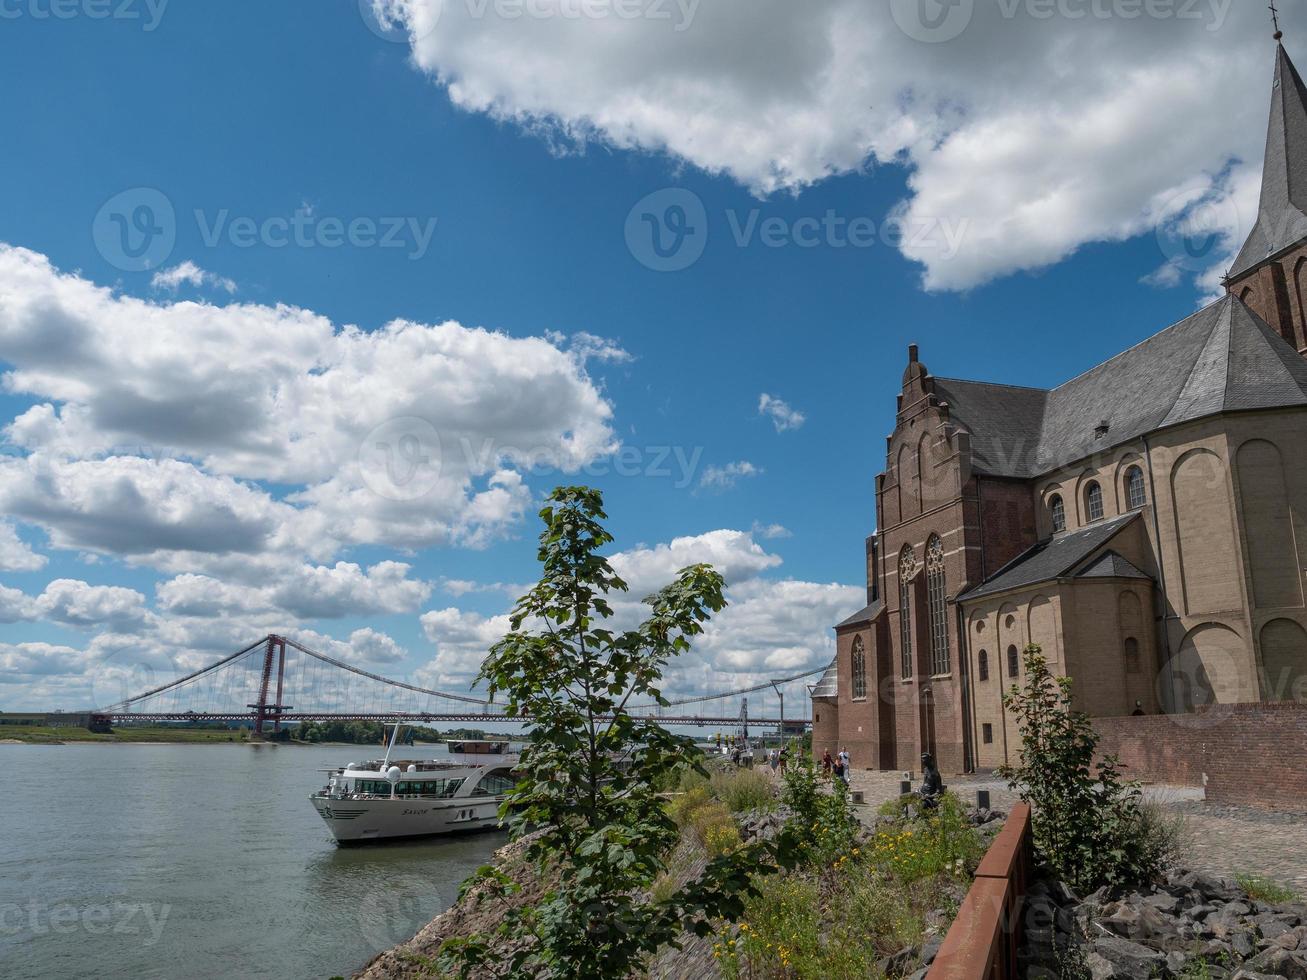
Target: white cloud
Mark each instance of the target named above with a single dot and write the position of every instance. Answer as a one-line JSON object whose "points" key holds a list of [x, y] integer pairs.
{"points": [[771, 628], [363, 646], [190, 274], [725, 477], [770, 532], [1029, 134], [17, 555], [159, 416], [783, 417]]}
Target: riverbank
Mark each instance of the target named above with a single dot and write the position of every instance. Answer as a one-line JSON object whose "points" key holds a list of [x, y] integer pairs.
{"points": [[39, 735]]}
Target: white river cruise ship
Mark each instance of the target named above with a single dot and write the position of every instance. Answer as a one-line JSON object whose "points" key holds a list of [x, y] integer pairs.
{"points": [[381, 800]]}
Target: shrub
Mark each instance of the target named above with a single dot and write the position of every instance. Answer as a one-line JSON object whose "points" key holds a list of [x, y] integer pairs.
{"points": [[744, 790], [721, 839], [1088, 823], [823, 828], [710, 817], [941, 841]]}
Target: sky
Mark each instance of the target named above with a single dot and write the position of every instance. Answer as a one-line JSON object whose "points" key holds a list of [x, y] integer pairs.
{"points": [[306, 305]]}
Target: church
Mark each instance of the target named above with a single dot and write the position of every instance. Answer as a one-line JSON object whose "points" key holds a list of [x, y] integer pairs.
{"points": [[1144, 523]]}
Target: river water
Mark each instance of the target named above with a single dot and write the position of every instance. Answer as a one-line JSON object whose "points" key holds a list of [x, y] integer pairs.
{"points": [[165, 861]]}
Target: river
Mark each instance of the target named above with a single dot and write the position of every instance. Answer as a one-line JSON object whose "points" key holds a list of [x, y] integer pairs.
{"points": [[164, 861]]}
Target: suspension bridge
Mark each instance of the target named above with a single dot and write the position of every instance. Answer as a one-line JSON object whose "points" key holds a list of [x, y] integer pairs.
{"points": [[277, 680]]}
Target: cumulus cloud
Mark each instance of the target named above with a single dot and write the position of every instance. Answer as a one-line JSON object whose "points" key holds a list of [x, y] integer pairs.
{"points": [[188, 273], [173, 417], [1027, 130], [772, 627], [725, 477], [16, 555], [783, 417]]}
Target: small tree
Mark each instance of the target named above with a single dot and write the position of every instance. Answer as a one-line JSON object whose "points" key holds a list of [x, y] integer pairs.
{"points": [[590, 775], [1088, 822]]}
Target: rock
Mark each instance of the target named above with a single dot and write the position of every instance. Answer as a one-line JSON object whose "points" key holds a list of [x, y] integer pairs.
{"points": [[1279, 962], [1222, 925], [929, 951], [1293, 939], [1237, 908], [920, 974], [1128, 959], [1101, 968], [1243, 944], [1271, 926], [1250, 975], [1210, 887], [1163, 902], [1175, 961], [1200, 912], [898, 964]]}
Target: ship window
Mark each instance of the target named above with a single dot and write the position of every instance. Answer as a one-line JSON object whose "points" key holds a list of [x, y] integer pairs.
{"points": [[496, 784]]}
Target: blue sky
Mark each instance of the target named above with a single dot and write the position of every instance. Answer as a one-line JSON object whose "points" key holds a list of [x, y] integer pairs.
{"points": [[259, 111]]}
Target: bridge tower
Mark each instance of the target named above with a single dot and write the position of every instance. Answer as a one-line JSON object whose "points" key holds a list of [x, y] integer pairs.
{"points": [[263, 711]]}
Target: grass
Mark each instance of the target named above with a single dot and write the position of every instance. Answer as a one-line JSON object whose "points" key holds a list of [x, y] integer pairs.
{"points": [[1265, 890], [744, 790]]}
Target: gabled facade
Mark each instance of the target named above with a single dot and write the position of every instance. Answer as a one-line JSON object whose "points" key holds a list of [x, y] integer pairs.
{"points": [[1145, 523]]}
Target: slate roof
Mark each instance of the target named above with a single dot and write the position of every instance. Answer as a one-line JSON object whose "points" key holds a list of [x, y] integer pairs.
{"points": [[1111, 565], [1282, 214], [862, 616], [1222, 358], [829, 685], [1050, 559]]}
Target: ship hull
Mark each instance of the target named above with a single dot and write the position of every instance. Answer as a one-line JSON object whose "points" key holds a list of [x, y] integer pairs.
{"points": [[359, 821]]}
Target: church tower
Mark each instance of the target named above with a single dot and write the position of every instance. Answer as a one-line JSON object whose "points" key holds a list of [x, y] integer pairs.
{"points": [[1270, 272]]}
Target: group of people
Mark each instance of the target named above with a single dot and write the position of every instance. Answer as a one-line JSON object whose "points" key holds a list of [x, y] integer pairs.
{"points": [[743, 755], [836, 766]]}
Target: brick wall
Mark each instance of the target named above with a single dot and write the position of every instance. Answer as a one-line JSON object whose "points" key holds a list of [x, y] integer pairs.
{"points": [[1248, 753]]}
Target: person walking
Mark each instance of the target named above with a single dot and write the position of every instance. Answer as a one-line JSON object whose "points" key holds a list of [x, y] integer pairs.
{"points": [[827, 764], [782, 758], [844, 764]]}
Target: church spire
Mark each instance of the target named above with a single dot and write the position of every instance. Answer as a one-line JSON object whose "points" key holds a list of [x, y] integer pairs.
{"points": [[1282, 214]]}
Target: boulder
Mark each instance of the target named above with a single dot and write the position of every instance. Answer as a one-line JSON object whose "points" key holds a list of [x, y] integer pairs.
{"points": [[1210, 887], [1128, 959], [1279, 962], [1163, 902], [1272, 926], [1243, 944]]}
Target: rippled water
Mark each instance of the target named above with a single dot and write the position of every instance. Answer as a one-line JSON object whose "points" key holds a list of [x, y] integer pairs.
{"points": [[167, 861]]}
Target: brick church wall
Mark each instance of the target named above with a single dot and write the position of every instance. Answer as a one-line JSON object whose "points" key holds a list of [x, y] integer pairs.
{"points": [[1250, 753]]}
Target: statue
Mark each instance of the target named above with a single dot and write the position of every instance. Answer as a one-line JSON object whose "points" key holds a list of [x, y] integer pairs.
{"points": [[931, 784]]}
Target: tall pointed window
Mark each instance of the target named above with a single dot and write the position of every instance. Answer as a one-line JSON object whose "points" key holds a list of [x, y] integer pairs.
{"points": [[1013, 661], [1057, 510], [907, 569], [859, 669], [1135, 495], [1094, 502], [984, 665], [935, 595]]}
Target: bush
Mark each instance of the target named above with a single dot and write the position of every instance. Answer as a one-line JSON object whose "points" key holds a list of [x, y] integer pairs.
{"points": [[824, 827], [708, 818], [721, 839], [1088, 821], [744, 790]]}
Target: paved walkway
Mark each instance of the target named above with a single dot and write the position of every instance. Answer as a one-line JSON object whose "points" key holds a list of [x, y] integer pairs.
{"points": [[1224, 840]]}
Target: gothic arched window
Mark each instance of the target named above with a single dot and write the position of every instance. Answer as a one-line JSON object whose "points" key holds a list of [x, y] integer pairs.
{"points": [[940, 661], [859, 669], [1058, 512], [1013, 661], [907, 568], [1094, 502], [1135, 494], [984, 665]]}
